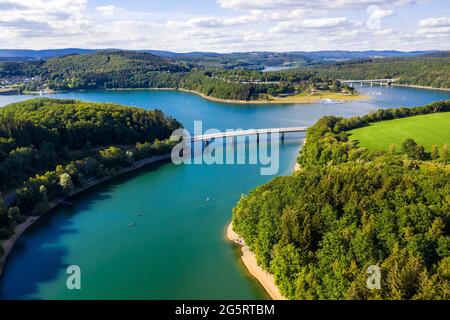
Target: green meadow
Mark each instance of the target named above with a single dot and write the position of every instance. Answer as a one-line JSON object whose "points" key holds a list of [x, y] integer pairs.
{"points": [[426, 130]]}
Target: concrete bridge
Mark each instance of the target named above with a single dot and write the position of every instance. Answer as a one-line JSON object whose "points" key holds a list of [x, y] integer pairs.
{"points": [[381, 82], [250, 132]]}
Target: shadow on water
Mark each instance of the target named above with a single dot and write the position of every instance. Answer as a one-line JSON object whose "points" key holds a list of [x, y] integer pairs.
{"points": [[41, 266], [24, 270]]}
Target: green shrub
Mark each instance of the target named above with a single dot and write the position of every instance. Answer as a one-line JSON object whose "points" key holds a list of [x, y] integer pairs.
{"points": [[5, 233]]}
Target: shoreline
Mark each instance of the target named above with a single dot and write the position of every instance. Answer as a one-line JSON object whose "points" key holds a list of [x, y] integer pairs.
{"points": [[297, 166], [265, 278], [419, 87], [249, 259], [8, 244], [244, 102], [279, 101]]}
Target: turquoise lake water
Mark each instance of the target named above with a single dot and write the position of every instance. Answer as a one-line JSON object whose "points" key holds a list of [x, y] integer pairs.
{"points": [[177, 250]]}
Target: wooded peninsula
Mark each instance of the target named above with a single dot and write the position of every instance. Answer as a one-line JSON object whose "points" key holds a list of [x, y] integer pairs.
{"points": [[50, 148], [350, 207]]}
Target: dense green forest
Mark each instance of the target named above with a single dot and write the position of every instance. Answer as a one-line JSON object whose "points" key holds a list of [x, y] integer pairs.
{"points": [[422, 71], [50, 147], [123, 69], [37, 134], [349, 207], [128, 69]]}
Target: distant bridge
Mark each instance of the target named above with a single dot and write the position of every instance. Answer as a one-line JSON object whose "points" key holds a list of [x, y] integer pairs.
{"points": [[250, 132], [381, 82]]}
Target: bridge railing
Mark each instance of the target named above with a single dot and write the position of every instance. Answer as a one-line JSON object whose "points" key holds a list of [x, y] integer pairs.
{"points": [[248, 132]]}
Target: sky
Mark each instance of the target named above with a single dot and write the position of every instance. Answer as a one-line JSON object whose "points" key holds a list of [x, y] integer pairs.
{"points": [[226, 25]]}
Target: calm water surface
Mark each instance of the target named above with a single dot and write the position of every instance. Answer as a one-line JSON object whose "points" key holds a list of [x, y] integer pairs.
{"points": [[177, 250]]}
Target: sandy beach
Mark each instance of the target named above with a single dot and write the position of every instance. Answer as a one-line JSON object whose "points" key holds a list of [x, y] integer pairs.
{"points": [[297, 166], [8, 244], [249, 259], [299, 100]]}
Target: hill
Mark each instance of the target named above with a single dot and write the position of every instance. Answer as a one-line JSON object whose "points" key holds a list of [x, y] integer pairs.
{"points": [[426, 130], [245, 60], [29, 55], [51, 148], [429, 71], [349, 208], [37, 134], [114, 69], [210, 74], [130, 69]]}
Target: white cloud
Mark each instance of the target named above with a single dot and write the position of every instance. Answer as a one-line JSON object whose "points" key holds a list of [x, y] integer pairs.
{"points": [[435, 22], [107, 11], [209, 22], [296, 26], [440, 30], [254, 16], [50, 17], [324, 22], [271, 25], [257, 4], [435, 27], [376, 14], [383, 32], [276, 4]]}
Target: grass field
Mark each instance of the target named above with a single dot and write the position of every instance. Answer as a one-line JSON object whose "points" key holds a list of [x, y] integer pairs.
{"points": [[426, 130], [307, 97]]}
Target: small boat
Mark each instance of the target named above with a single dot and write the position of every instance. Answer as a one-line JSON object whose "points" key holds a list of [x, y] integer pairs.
{"points": [[131, 224], [139, 214], [207, 199], [329, 101]]}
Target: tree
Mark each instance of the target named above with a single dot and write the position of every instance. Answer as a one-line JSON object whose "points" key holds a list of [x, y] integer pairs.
{"points": [[420, 153], [409, 147], [434, 152], [13, 213], [285, 267], [65, 181], [43, 193], [393, 149], [444, 154], [129, 158], [412, 150], [112, 156], [3, 208]]}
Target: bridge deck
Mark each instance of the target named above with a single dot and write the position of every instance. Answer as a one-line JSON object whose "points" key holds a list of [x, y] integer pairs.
{"points": [[248, 132], [367, 80]]}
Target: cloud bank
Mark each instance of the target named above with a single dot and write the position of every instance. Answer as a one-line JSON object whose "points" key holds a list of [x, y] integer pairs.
{"points": [[235, 25]]}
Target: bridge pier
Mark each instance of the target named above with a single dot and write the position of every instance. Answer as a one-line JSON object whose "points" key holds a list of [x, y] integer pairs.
{"points": [[205, 143], [282, 137]]}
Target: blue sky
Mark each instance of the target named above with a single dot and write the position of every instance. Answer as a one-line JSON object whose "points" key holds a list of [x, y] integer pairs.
{"points": [[226, 25]]}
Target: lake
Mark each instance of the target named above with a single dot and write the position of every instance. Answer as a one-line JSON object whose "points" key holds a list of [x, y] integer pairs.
{"points": [[177, 249]]}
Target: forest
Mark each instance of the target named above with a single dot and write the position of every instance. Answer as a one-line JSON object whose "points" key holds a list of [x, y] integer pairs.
{"points": [[428, 71], [348, 208], [50, 147], [127, 69]]}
